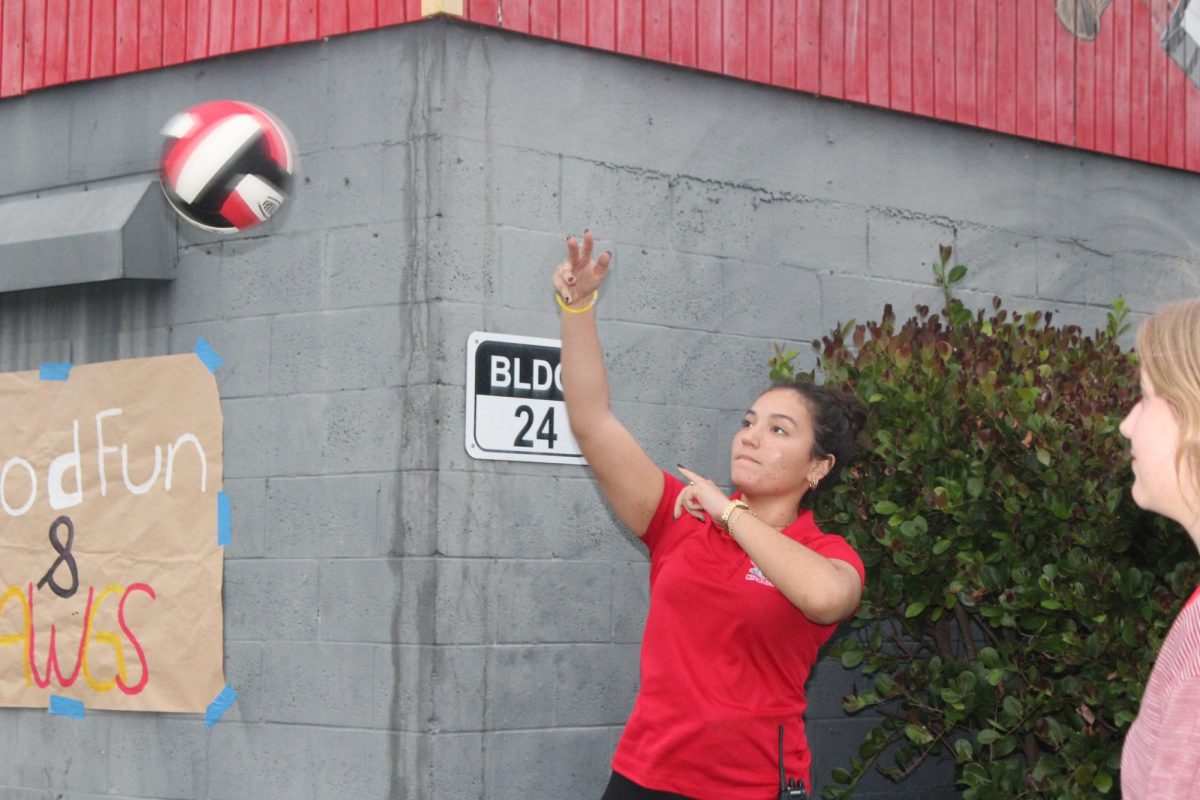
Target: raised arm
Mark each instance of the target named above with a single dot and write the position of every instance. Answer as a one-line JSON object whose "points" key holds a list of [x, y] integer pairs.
{"points": [[631, 482]]}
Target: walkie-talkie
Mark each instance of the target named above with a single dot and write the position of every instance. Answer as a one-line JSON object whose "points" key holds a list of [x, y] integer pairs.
{"points": [[789, 788]]}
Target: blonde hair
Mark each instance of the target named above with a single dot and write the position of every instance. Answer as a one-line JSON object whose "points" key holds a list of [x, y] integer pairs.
{"points": [[1168, 346]]}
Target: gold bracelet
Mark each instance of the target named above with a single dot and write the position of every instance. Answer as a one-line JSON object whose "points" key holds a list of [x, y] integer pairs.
{"points": [[729, 509], [570, 310], [734, 517]]}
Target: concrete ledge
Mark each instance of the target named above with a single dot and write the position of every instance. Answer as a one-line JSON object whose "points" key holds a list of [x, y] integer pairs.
{"points": [[87, 233]]}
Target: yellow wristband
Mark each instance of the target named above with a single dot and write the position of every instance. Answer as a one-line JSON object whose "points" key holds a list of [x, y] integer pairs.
{"points": [[570, 310]]}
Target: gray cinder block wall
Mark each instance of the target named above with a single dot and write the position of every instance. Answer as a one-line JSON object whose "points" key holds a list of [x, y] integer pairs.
{"points": [[403, 621]]}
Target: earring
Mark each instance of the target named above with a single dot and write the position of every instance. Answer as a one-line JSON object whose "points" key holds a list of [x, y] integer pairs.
{"points": [[812, 482]]}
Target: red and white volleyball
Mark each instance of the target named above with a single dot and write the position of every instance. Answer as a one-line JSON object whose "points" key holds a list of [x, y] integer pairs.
{"points": [[226, 165]]}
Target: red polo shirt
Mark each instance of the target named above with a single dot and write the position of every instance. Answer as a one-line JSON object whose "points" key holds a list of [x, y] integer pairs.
{"points": [[724, 660]]}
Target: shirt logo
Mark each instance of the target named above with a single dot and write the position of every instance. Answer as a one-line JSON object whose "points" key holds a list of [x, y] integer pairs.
{"points": [[755, 574]]}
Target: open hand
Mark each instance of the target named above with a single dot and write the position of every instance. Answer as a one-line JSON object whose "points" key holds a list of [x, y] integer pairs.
{"points": [[580, 275]]}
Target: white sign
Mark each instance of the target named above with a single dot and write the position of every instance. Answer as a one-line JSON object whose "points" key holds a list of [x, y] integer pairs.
{"points": [[515, 407]]}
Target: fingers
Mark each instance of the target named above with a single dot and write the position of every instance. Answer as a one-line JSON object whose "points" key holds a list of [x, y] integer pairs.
{"points": [[586, 255], [561, 287], [679, 501], [602, 263], [687, 473], [572, 250]]}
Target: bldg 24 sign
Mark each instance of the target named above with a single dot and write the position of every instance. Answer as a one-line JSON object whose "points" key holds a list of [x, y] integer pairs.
{"points": [[515, 407]]}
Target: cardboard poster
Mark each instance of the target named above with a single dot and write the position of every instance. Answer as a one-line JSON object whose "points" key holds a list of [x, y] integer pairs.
{"points": [[110, 568]]}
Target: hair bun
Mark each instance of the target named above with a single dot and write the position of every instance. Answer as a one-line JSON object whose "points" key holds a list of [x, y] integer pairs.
{"points": [[853, 409]]}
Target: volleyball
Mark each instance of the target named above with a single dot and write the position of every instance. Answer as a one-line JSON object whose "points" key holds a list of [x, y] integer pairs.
{"points": [[226, 165]]}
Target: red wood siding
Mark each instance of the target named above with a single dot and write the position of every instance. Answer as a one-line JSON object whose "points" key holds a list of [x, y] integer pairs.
{"points": [[1004, 65]]}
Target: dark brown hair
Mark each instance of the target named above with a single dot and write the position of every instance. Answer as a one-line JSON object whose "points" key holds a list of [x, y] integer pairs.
{"points": [[837, 419]]}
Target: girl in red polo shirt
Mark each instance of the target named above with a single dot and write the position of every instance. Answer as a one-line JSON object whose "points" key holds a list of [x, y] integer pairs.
{"points": [[1161, 756], [744, 589]]}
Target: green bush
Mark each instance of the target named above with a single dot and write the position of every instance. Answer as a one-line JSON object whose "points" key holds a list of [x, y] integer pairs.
{"points": [[1016, 596]]}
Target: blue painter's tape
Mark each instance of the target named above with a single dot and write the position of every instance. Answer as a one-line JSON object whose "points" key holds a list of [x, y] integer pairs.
{"points": [[224, 519], [208, 355], [66, 707], [218, 707], [55, 370]]}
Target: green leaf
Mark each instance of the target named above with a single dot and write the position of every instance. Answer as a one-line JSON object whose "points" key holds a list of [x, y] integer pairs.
{"points": [[886, 507], [941, 546], [957, 274], [1103, 782], [988, 736], [914, 609], [852, 658], [918, 734]]}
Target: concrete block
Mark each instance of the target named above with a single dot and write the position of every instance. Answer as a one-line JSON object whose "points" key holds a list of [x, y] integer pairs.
{"points": [[459, 683], [350, 431], [368, 265], [723, 219], [329, 351], [657, 365], [503, 515], [595, 684], [997, 261], [525, 262], [373, 600], [264, 435], [461, 263], [152, 756], [319, 683], [450, 325], [629, 204], [845, 298], [195, 295], [677, 432], [261, 761], [248, 499], [553, 601], [255, 609], [675, 290], [385, 114], [901, 246], [430, 689], [518, 687], [466, 601], [403, 700], [333, 188], [278, 274], [74, 763], [1069, 272], [407, 513], [9, 721], [497, 185], [372, 765], [323, 517], [244, 672], [547, 763], [244, 346], [41, 119], [631, 599], [361, 431], [768, 302], [456, 768], [378, 600]]}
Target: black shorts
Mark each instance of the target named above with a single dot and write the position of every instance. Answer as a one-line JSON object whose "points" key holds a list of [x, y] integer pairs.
{"points": [[621, 788]]}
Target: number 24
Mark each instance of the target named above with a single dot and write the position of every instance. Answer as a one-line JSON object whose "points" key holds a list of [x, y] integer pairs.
{"points": [[545, 431]]}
